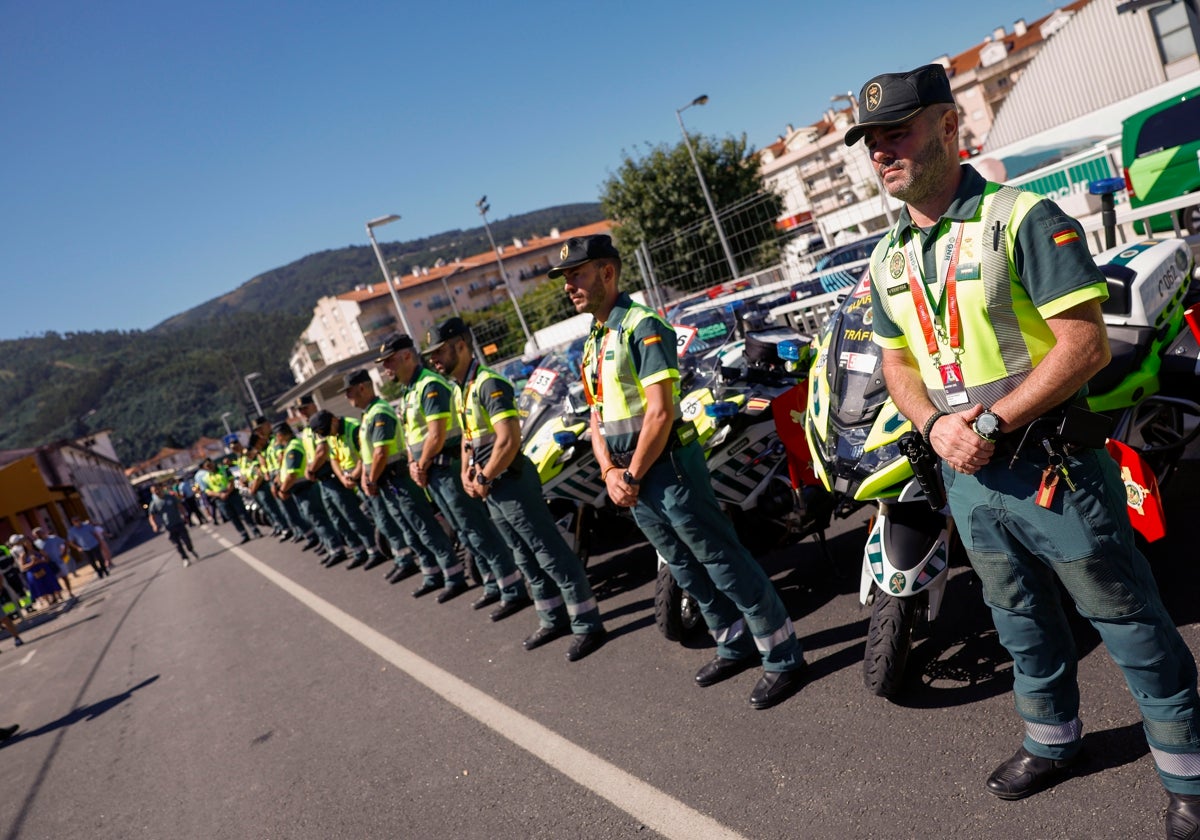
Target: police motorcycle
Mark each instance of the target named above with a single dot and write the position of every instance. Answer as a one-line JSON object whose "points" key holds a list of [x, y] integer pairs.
{"points": [[865, 452], [747, 401]]}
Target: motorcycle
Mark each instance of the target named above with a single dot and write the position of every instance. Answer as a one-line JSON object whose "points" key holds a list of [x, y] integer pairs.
{"points": [[858, 441]]}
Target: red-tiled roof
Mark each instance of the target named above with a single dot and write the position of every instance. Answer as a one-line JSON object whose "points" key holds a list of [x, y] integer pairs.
{"points": [[533, 243]]}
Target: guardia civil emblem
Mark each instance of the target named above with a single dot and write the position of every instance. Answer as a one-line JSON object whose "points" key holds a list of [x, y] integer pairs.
{"points": [[896, 583], [1135, 494], [874, 95], [566, 249], [896, 265]]}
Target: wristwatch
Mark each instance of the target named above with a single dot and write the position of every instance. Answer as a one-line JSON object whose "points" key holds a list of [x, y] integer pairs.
{"points": [[629, 479], [987, 425], [482, 480]]}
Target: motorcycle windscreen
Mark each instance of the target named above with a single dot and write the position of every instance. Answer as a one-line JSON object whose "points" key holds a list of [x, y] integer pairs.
{"points": [[857, 390]]}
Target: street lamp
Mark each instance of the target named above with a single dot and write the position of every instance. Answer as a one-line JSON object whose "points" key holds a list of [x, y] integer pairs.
{"points": [[387, 278], [483, 208], [253, 397], [700, 100], [228, 430], [853, 102]]}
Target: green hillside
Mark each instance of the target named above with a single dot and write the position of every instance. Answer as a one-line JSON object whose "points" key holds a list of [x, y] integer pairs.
{"points": [[169, 385]]}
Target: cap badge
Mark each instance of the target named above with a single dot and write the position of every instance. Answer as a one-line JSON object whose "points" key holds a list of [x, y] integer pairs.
{"points": [[566, 249], [874, 96]]}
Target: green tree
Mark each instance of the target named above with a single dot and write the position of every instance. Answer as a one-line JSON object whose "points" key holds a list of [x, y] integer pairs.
{"points": [[656, 198]]}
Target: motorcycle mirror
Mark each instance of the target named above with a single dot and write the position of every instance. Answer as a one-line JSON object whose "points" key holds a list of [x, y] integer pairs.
{"points": [[721, 409]]}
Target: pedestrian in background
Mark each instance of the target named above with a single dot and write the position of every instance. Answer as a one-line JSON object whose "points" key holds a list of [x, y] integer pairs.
{"points": [[56, 548], [84, 536], [166, 512]]}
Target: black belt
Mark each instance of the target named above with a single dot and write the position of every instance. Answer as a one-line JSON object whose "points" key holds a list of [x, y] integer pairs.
{"points": [[683, 432]]}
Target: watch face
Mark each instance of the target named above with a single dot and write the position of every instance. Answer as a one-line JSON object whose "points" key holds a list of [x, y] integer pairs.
{"points": [[987, 423]]}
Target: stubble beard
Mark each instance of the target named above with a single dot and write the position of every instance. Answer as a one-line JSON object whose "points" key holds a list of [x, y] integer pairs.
{"points": [[925, 172]]}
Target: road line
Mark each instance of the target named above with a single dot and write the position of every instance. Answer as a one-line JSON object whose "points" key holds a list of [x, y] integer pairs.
{"points": [[22, 661], [645, 803]]}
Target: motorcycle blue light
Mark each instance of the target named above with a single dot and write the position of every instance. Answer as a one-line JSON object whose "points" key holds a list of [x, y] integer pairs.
{"points": [[1106, 185], [735, 305], [565, 439], [788, 350], [721, 409]]}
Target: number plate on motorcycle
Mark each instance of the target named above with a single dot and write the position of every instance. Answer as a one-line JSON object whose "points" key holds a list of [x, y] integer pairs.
{"points": [[541, 381], [859, 362]]}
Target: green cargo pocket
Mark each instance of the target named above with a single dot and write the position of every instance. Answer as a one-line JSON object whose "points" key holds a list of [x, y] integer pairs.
{"points": [[1098, 588]]}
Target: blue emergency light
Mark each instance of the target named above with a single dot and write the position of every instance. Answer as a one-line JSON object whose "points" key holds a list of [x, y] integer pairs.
{"points": [[565, 439], [721, 410]]}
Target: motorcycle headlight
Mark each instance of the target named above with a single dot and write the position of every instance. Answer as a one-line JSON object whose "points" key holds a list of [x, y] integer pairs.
{"points": [[565, 439], [721, 410]]}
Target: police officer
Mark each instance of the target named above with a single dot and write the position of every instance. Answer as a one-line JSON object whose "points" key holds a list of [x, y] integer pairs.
{"points": [[388, 516], [386, 471], [495, 469], [294, 480], [428, 424], [219, 486], [432, 401], [252, 476], [651, 461], [337, 448], [317, 470], [986, 303]]}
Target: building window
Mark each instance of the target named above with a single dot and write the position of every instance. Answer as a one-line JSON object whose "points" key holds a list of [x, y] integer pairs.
{"points": [[1174, 35]]}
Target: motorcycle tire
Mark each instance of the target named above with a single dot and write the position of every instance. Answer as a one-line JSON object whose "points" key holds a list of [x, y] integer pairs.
{"points": [[675, 611], [889, 640]]}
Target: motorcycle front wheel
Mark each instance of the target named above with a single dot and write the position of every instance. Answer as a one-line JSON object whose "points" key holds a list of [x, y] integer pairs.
{"points": [[889, 639], [675, 611]]}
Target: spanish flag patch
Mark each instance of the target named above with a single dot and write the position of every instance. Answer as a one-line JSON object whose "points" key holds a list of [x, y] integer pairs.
{"points": [[1065, 236], [651, 339]]}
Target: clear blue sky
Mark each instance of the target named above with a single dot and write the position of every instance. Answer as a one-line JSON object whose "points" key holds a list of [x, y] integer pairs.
{"points": [[157, 155]]}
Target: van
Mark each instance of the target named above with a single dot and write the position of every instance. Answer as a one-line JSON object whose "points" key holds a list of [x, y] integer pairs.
{"points": [[1160, 149]]}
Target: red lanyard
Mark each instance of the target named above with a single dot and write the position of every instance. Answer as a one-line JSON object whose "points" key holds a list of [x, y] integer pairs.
{"points": [[919, 292], [597, 393]]}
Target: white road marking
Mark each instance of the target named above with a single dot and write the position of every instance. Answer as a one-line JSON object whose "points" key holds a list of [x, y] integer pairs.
{"points": [[645, 803], [22, 661]]}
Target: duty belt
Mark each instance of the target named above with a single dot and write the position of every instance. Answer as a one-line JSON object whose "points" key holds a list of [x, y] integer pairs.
{"points": [[683, 432]]}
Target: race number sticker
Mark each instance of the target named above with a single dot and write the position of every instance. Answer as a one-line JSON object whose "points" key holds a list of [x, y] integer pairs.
{"points": [[858, 362], [683, 337], [691, 409], [541, 381]]}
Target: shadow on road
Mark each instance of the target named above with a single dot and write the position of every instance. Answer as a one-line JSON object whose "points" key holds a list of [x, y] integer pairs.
{"points": [[89, 712]]}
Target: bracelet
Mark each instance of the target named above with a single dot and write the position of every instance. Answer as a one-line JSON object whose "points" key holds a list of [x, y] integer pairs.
{"points": [[607, 470], [937, 415]]}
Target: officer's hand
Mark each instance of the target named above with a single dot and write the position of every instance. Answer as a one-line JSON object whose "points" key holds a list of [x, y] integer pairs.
{"points": [[482, 491], [955, 441], [622, 494], [419, 476]]}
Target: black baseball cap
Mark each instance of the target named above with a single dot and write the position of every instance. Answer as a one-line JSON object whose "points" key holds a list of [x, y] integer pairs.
{"points": [[352, 379], [321, 423], [580, 249], [282, 426], [443, 332], [394, 344], [893, 98]]}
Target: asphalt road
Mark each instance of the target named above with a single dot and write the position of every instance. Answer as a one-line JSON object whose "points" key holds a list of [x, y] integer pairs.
{"points": [[258, 695]]}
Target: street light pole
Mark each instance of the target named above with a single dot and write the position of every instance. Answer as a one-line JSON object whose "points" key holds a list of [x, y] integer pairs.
{"points": [[387, 278], [228, 430], [700, 100], [883, 196], [483, 208], [253, 397]]}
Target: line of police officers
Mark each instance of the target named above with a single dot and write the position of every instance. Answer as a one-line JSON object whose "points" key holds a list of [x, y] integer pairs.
{"points": [[456, 443]]}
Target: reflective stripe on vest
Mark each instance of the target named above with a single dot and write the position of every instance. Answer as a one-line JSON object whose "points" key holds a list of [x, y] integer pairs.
{"points": [[216, 481], [416, 425], [479, 428], [1003, 335], [619, 396]]}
